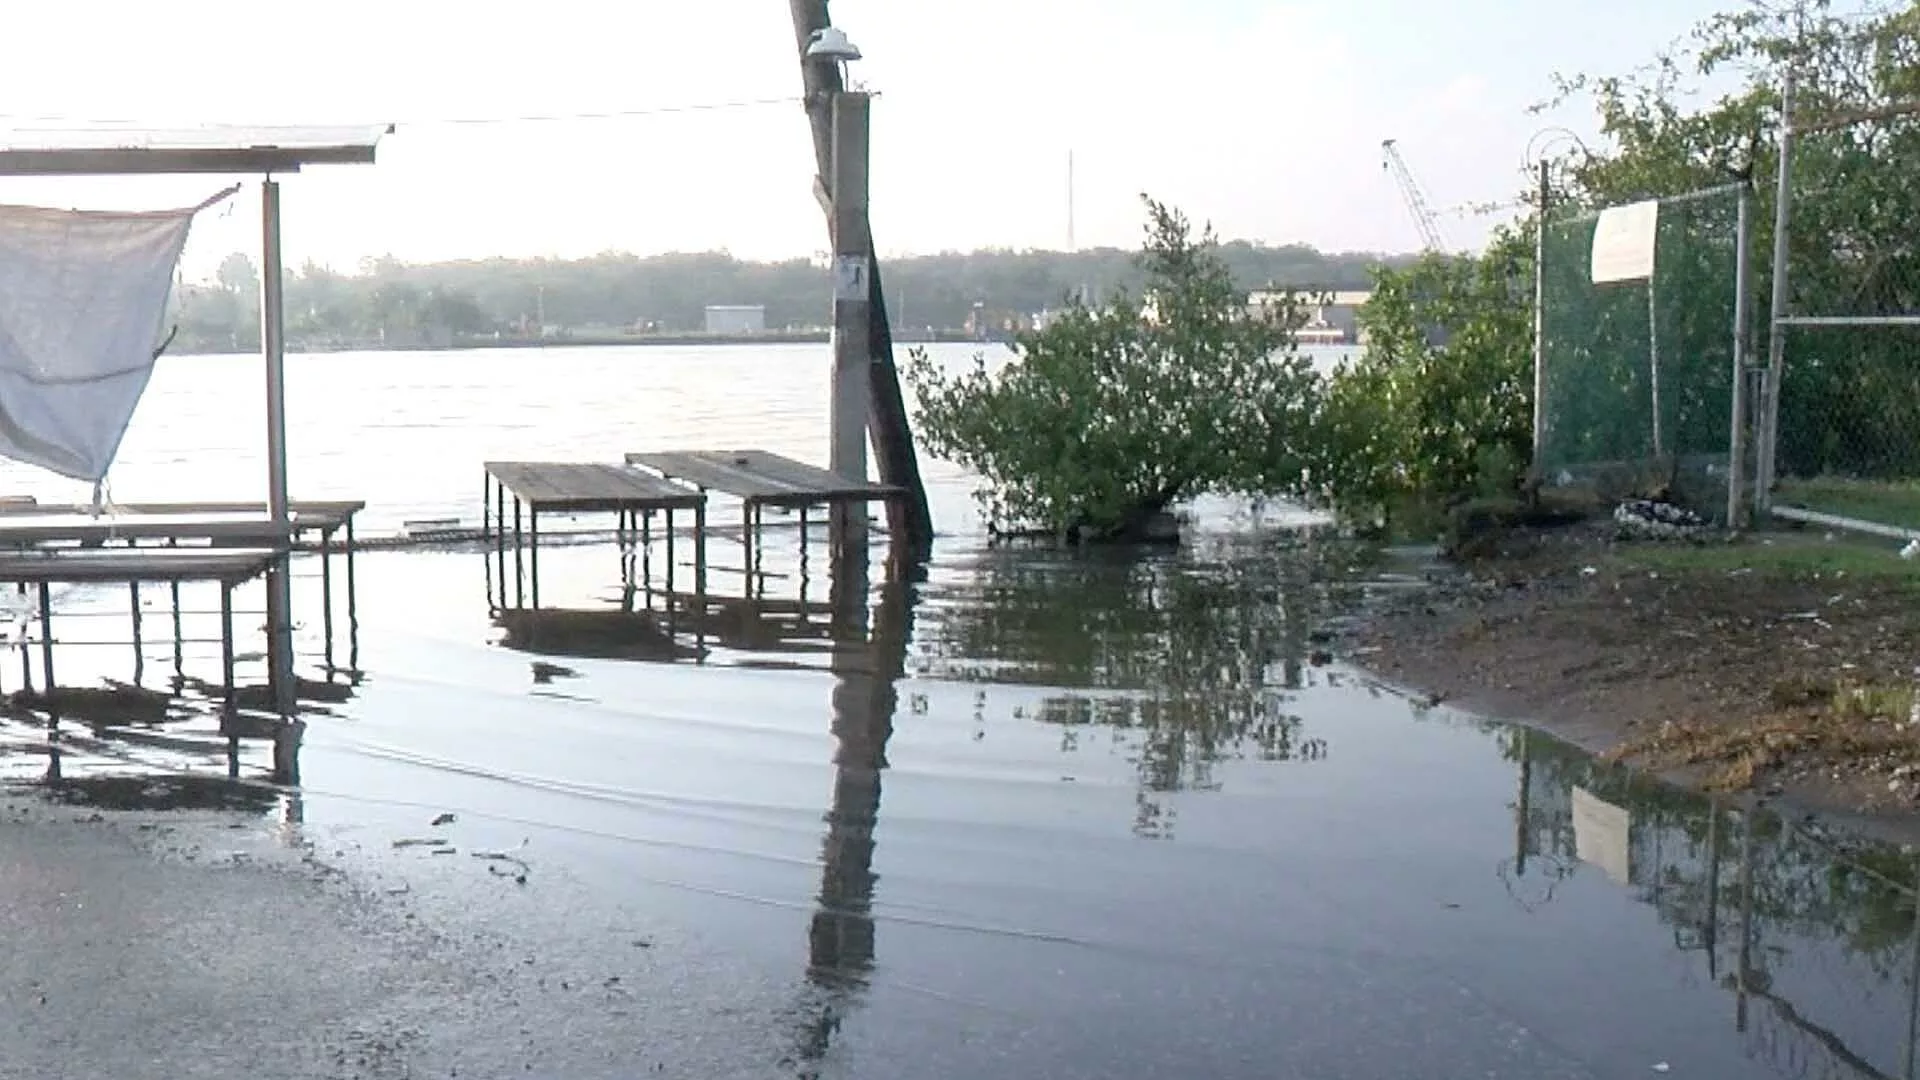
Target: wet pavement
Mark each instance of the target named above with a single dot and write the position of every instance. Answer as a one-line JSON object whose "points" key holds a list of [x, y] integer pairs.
{"points": [[1031, 813]]}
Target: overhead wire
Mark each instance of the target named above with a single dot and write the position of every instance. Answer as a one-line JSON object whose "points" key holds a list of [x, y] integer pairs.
{"points": [[467, 121]]}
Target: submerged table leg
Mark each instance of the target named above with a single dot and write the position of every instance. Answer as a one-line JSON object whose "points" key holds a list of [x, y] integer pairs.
{"points": [[353, 604], [759, 552], [519, 568], [139, 646], [533, 553], [46, 636], [230, 691], [746, 549], [26, 650], [673, 604], [326, 595], [646, 557], [700, 556], [500, 539]]}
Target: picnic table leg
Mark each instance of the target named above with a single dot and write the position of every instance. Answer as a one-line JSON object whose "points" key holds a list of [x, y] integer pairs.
{"points": [[486, 536], [500, 539], [673, 604], [746, 548], [533, 553], [519, 567], [626, 569], [179, 638], [139, 646], [326, 596], [759, 551], [646, 557], [353, 604], [700, 556], [46, 636], [230, 692], [26, 650]]}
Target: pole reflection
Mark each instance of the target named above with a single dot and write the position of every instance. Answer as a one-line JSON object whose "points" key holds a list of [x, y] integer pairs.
{"points": [[868, 661]]}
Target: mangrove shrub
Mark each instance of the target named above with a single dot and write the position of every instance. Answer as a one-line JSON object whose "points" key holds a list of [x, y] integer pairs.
{"points": [[1112, 413]]}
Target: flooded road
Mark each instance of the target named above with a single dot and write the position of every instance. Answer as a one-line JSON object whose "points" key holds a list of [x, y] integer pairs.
{"points": [[1028, 813]]}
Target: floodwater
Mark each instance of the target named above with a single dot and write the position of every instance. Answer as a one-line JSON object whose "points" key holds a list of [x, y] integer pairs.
{"points": [[1017, 813]]}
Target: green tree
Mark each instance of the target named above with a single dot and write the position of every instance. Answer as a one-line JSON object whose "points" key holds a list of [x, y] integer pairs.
{"points": [[1113, 413], [1849, 396], [1439, 405]]}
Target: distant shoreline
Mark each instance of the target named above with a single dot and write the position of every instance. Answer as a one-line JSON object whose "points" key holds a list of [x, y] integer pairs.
{"points": [[778, 337]]}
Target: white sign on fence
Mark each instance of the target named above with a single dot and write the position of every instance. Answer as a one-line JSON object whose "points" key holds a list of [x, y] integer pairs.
{"points": [[1623, 242]]}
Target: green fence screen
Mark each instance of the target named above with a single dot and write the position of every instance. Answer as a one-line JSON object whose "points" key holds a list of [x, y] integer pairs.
{"points": [[1638, 375]]}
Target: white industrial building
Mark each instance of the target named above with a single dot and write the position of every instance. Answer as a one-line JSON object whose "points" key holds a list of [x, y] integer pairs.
{"points": [[736, 318]]}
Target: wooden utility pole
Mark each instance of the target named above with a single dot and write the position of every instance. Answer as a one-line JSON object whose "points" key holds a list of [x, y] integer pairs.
{"points": [[852, 307], [891, 427]]}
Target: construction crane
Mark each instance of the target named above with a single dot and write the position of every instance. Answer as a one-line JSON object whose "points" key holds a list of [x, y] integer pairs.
{"points": [[1423, 216]]}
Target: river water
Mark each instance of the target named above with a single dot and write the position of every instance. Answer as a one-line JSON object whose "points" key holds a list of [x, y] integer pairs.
{"points": [[1028, 813]]}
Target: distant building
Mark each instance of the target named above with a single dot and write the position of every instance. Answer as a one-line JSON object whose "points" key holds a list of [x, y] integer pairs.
{"points": [[1333, 318], [736, 318]]}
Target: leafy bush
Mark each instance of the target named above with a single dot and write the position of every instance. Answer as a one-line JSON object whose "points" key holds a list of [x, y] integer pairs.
{"points": [[1439, 406], [1111, 414]]}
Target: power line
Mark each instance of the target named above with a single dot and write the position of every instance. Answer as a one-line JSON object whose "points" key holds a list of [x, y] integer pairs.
{"points": [[617, 114], [462, 121]]}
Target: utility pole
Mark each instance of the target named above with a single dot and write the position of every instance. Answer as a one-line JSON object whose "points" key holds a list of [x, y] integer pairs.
{"points": [[1544, 205], [892, 428], [852, 306]]}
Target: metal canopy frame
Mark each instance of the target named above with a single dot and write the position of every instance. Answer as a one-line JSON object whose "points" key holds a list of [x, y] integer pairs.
{"points": [[264, 151]]}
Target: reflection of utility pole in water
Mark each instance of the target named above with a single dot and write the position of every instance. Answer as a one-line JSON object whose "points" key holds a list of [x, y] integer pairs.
{"points": [[868, 661], [1907, 1068], [1523, 806], [1743, 977]]}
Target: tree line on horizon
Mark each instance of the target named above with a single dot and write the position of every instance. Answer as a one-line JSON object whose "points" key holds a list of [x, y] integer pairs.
{"points": [[388, 302]]}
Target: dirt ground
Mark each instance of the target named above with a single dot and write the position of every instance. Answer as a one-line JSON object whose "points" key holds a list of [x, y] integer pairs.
{"points": [[1783, 664]]}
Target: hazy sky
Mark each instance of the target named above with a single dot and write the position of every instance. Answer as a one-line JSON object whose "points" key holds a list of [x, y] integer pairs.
{"points": [[1265, 118]]}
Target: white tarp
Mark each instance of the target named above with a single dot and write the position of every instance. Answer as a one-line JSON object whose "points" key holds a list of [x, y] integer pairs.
{"points": [[83, 300], [1624, 240]]}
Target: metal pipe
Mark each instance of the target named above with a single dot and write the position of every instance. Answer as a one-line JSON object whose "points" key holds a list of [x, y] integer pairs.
{"points": [[1776, 340], [1540, 321], [273, 352], [1849, 320], [1742, 353]]}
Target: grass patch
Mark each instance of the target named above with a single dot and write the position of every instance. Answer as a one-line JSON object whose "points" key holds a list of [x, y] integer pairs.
{"points": [[1882, 502], [1799, 556], [1859, 727]]}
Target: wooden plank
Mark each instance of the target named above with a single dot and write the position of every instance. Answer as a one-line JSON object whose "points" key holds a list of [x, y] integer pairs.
{"points": [[587, 487], [19, 530], [308, 514], [760, 477], [124, 565]]}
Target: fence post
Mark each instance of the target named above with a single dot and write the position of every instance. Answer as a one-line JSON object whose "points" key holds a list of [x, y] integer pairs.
{"points": [[1742, 354], [1540, 323], [1776, 337]]}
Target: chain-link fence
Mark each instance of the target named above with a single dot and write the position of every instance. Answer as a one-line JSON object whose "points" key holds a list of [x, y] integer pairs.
{"points": [[1636, 375], [1841, 445]]}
